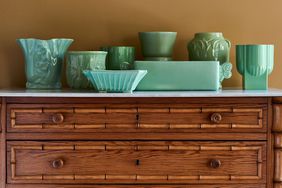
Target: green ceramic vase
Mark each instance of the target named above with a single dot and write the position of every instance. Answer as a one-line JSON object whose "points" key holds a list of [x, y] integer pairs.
{"points": [[78, 61], [119, 57], [157, 46], [44, 62], [209, 47], [255, 63]]}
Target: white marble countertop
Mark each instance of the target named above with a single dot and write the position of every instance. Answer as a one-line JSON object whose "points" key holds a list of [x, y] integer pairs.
{"points": [[76, 93]]}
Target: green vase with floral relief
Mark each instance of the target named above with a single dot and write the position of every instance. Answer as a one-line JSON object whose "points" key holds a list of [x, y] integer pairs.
{"points": [[209, 47]]}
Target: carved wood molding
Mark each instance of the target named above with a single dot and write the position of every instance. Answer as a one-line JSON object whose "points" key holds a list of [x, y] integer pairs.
{"points": [[135, 177], [277, 112], [138, 125], [277, 129], [278, 157]]}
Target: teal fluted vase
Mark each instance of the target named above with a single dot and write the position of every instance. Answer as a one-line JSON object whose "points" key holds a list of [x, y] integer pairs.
{"points": [[78, 61], [44, 62], [209, 47], [255, 64]]}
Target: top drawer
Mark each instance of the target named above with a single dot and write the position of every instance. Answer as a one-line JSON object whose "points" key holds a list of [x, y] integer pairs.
{"points": [[136, 118]]}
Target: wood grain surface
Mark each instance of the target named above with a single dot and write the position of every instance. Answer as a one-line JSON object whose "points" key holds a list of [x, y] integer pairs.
{"points": [[137, 142], [136, 118], [158, 162]]}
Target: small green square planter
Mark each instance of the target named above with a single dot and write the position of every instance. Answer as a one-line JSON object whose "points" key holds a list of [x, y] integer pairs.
{"points": [[78, 61]]}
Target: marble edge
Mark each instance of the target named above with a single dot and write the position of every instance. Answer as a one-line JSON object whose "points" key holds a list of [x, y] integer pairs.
{"points": [[70, 93]]}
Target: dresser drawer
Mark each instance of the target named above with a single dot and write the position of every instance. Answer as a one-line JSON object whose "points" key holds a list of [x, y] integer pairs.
{"points": [[138, 186], [136, 118], [136, 162]]}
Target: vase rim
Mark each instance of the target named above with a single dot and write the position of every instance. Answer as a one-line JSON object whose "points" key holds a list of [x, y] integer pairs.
{"points": [[46, 39], [87, 52], [254, 44], [209, 33], [158, 32], [117, 46]]}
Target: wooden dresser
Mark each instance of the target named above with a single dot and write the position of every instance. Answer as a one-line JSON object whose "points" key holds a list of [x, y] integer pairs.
{"points": [[167, 139]]}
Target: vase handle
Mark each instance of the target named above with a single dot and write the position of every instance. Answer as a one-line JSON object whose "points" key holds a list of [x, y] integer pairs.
{"points": [[228, 42]]}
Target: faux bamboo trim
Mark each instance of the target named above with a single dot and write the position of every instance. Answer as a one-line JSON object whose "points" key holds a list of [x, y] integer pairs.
{"points": [[136, 125], [14, 176]]}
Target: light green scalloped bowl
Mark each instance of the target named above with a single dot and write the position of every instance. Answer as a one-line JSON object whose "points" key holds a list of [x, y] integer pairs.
{"points": [[119, 81]]}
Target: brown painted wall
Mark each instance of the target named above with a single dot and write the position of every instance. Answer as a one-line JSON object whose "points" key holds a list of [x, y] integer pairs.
{"points": [[93, 23]]}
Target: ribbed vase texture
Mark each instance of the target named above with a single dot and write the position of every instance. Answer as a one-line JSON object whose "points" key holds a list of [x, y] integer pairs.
{"points": [[255, 59]]}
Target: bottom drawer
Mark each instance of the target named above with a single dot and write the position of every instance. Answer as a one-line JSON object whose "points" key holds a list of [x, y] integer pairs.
{"points": [[136, 162], [138, 186]]}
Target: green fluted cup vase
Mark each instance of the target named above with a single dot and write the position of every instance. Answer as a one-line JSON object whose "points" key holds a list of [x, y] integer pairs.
{"points": [[255, 63]]}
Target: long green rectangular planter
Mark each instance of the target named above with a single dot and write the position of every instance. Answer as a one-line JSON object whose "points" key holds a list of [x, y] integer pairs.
{"points": [[179, 75]]}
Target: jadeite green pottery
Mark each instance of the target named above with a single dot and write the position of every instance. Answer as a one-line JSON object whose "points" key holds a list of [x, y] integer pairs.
{"points": [[78, 61], [157, 46], [44, 62], [115, 81], [209, 47], [181, 75], [119, 57], [255, 63]]}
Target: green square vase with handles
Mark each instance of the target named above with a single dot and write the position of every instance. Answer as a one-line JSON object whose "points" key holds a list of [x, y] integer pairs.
{"points": [[255, 63]]}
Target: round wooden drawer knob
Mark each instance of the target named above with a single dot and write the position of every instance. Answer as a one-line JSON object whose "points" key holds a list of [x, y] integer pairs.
{"points": [[216, 117], [58, 163], [58, 118], [215, 163]]}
